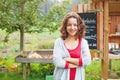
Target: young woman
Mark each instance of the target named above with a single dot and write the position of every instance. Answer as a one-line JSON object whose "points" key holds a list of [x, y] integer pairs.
{"points": [[71, 52]]}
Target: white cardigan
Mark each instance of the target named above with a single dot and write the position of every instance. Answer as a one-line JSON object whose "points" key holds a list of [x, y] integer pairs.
{"points": [[60, 51]]}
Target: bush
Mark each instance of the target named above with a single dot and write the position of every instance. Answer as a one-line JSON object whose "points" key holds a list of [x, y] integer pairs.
{"points": [[39, 72]]}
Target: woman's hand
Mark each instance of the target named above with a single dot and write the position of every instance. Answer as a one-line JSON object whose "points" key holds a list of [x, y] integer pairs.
{"points": [[71, 65], [74, 61], [66, 59]]}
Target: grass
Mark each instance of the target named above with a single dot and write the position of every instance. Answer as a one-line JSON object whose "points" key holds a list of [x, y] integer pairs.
{"points": [[93, 71], [10, 76]]}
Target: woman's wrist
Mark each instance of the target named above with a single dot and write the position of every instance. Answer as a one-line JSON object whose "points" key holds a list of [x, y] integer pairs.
{"points": [[72, 66], [74, 61]]}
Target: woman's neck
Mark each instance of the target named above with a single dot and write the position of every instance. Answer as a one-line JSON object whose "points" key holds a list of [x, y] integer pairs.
{"points": [[71, 38]]}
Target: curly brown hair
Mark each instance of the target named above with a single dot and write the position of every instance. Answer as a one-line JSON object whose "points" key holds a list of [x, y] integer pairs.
{"points": [[80, 24]]}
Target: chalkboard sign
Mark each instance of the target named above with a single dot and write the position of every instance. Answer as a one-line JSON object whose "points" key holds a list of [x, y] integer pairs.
{"points": [[90, 20]]}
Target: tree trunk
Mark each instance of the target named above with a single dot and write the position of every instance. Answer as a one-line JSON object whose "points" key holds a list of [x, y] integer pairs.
{"points": [[21, 38], [22, 27]]}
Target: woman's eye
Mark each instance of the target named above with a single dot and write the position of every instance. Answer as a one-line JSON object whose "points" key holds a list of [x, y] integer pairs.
{"points": [[75, 24], [72, 25], [68, 24]]}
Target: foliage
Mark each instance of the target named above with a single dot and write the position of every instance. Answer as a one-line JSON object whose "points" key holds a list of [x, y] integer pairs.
{"points": [[24, 15], [15, 13], [43, 70], [10, 76], [96, 51], [85, 1], [93, 71], [2, 35], [18, 15], [53, 19], [36, 41]]}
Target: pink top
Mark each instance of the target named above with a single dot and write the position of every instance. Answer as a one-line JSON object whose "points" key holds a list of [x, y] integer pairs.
{"points": [[74, 53]]}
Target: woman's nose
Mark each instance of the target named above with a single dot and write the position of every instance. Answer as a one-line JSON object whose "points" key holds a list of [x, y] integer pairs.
{"points": [[72, 26]]}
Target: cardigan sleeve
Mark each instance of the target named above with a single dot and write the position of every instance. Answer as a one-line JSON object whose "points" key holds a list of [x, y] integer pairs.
{"points": [[80, 61], [66, 65], [57, 55], [86, 57]]}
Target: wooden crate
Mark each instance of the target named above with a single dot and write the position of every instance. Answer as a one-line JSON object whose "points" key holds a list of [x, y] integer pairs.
{"points": [[46, 57]]}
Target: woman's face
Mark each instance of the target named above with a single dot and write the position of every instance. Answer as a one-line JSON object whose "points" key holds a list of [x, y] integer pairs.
{"points": [[72, 27]]}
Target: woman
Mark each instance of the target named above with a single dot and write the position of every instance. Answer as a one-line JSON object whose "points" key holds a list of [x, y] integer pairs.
{"points": [[71, 52]]}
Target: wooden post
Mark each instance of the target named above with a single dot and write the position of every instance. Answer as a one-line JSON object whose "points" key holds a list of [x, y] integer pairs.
{"points": [[28, 68], [100, 26], [24, 71], [105, 41]]}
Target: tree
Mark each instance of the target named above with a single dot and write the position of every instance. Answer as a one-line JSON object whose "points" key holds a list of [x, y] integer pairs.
{"points": [[85, 1], [24, 16], [52, 21], [19, 15]]}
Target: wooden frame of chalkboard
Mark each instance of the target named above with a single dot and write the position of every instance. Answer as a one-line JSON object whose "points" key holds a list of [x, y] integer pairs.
{"points": [[90, 20]]}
